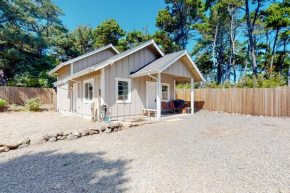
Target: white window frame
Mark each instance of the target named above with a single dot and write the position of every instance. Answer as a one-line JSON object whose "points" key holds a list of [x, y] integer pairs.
{"points": [[84, 90], [129, 90], [168, 90]]}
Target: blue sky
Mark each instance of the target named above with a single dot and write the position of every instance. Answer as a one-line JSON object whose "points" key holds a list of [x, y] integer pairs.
{"points": [[130, 14]]}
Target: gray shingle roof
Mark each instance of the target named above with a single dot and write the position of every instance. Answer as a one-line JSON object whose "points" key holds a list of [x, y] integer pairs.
{"points": [[157, 64]]}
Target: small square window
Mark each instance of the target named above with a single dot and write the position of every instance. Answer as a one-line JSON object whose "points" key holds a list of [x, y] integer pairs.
{"points": [[123, 90]]}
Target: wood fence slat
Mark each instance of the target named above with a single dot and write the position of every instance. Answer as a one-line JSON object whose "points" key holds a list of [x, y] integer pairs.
{"points": [[19, 95], [273, 102]]}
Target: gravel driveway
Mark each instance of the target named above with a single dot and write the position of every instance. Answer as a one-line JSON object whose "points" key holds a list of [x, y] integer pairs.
{"points": [[17, 126], [208, 152]]}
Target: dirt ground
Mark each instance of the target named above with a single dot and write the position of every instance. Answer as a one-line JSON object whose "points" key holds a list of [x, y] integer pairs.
{"points": [[207, 152]]}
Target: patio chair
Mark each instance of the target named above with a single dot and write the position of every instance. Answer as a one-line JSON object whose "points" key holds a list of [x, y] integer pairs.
{"points": [[164, 107], [173, 108]]}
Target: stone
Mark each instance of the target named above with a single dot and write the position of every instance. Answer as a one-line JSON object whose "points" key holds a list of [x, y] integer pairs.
{"points": [[26, 141], [23, 145], [60, 133], [60, 137], [111, 125], [91, 132], [109, 130], [53, 139], [4, 149], [41, 141], [102, 128], [85, 132], [13, 145], [77, 133], [48, 136], [71, 137], [127, 125]]}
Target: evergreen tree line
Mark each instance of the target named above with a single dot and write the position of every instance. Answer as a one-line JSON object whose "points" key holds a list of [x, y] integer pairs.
{"points": [[244, 43]]}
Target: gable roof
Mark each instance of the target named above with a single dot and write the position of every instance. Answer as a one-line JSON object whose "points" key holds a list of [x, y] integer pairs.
{"points": [[161, 64], [112, 60], [83, 56]]}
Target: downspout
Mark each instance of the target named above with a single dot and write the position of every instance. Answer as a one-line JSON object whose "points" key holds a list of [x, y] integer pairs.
{"points": [[152, 76]]}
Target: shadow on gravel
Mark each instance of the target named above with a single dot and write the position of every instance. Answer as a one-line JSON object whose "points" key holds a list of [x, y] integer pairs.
{"points": [[51, 171]]}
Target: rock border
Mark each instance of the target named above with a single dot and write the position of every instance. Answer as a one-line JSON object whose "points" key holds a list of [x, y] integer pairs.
{"points": [[50, 137]]}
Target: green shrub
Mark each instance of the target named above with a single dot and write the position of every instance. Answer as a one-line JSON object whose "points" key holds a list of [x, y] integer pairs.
{"points": [[2, 103], [33, 104]]}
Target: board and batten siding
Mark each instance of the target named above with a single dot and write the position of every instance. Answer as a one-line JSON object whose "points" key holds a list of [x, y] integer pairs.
{"points": [[64, 97], [83, 108], [122, 69], [63, 72], [92, 60], [179, 68]]}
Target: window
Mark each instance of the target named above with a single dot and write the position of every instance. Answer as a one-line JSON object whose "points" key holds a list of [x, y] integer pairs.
{"points": [[123, 90], [165, 92], [88, 90]]}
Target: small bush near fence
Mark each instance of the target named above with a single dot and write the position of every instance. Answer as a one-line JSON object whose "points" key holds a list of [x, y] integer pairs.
{"points": [[2, 103], [33, 104]]}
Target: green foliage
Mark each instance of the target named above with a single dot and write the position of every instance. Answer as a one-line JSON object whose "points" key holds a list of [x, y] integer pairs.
{"points": [[27, 32], [2, 103], [178, 18], [166, 42], [109, 32], [33, 104], [250, 81]]}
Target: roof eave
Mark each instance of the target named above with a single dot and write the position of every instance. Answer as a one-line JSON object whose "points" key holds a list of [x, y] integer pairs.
{"points": [[82, 57]]}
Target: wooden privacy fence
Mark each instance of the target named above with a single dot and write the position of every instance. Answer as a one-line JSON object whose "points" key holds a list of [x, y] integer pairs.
{"points": [[19, 95], [274, 102]]}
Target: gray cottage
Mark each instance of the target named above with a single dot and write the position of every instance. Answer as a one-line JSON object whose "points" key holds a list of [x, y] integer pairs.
{"points": [[127, 83]]}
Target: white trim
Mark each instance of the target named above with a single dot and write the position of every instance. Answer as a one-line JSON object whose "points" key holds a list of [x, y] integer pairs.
{"points": [[159, 89], [83, 56], [174, 93], [147, 83], [151, 82], [72, 68], [168, 86], [110, 61], [84, 90], [171, 61], [192, 96], [129, 90], [75, 97], [103, 90], [195, 67]]}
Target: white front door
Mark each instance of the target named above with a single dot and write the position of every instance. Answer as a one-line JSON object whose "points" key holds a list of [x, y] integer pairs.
{"points": [[151, 91], [75, 97]]}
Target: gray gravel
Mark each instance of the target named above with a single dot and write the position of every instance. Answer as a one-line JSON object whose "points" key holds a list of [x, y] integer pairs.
{"points": [[208, 152], [16, 126]]}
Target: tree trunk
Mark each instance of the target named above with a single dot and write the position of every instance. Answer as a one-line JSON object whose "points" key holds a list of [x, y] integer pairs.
{"points": [[213, 46], [273, 50], [283, 57], [251, 40]]}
